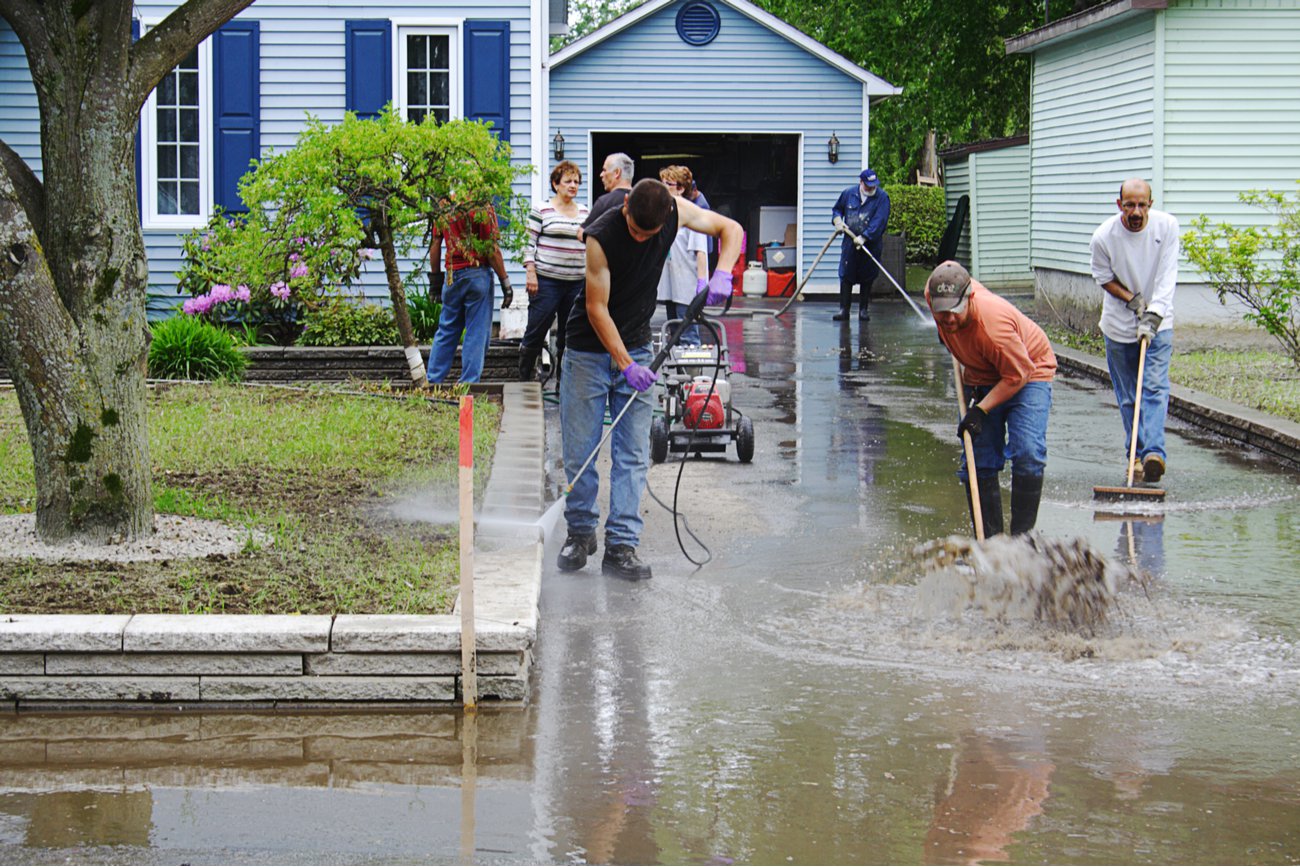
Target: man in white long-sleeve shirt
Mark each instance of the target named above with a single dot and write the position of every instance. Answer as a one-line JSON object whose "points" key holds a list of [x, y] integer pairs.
{"points": [[1135, 260]]}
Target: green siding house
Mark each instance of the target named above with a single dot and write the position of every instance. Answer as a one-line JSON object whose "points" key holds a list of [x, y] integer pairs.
{"points": [[994, 245], [1201, 97]]}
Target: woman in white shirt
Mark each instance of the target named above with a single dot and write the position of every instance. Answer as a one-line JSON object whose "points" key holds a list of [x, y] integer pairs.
{"points": [[687, 268], [555, 263]]}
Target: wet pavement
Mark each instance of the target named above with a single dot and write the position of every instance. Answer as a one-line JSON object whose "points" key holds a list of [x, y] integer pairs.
{"points": [[791, 701]]}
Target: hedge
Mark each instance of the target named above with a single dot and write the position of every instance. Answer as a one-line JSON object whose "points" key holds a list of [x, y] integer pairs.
{"points": [[920, 214]]}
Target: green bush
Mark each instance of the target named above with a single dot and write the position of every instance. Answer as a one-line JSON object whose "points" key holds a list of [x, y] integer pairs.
{"points": [[424, 313], [919, 214], [186, 347], [345, 322]]}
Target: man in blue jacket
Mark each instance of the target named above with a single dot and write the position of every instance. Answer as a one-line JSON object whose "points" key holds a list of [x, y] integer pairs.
{"points": [[861, 210]]}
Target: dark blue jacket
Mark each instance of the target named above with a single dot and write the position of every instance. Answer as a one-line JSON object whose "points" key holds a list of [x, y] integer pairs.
{"points": [[864, 215]]}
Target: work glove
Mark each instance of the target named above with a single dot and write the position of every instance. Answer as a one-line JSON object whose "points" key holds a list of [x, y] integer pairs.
{"points": [[838, 223], [1137, 304], [973, 423], [639, 376], [719, 288], [1148, 325], [436, 279], [507, 293]]}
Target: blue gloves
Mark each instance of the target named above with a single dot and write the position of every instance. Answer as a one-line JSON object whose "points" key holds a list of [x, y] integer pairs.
{"points": [[639, 376], [719, 288], [701, 284]]}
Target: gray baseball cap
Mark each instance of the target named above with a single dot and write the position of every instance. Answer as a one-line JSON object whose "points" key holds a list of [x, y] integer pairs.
{"points": [[949, 284]]}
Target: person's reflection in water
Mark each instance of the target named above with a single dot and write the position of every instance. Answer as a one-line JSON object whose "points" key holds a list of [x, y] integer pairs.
{"points": [[853, 356], [1142, 544], [992, 792], [860, 434]]}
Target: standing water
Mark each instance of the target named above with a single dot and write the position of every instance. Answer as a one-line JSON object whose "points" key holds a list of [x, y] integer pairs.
{"points": [[821, 692]]}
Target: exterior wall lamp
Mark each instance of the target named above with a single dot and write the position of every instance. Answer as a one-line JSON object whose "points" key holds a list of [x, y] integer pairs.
{"points": [[833, 149], [557, 146]]}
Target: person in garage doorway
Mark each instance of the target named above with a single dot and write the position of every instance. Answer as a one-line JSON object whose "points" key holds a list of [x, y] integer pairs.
{"points": [[862, 210]]}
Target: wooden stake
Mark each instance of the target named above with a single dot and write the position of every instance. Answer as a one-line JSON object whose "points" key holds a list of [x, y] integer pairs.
{"points": [[468, 659]]}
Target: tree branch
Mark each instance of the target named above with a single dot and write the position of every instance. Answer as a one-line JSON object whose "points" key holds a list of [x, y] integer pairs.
{"points": [[157, 52], [28, 190]]}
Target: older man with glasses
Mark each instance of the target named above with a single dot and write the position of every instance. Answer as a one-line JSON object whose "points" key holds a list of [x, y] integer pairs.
{"points": [[1007, 367]]}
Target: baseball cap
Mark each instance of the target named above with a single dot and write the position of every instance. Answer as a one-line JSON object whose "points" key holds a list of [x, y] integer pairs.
{"points": [[869, 178], [948, 286]]}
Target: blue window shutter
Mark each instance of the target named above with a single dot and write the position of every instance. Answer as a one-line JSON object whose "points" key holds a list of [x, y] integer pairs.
{"points": [[139, 191], [368, 85], [487, 74], [235, 109]]}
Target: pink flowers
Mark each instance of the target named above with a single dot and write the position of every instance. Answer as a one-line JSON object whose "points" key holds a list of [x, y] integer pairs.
{"points": [[218, 294], [280, 290], [299, 270]]}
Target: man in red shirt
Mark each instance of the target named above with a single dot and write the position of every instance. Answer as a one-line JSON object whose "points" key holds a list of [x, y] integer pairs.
{"points": [[1007, 369], [467, 302]]}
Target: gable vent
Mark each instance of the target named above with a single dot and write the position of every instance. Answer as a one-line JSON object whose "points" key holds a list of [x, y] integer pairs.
{"points": [[698, 23]]}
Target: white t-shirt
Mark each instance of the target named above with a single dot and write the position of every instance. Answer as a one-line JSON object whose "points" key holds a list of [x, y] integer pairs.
{"points": [[679, 277], [1145, 262]]}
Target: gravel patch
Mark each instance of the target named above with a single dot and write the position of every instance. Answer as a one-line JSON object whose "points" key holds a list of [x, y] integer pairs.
{"points": [[175, 538]]}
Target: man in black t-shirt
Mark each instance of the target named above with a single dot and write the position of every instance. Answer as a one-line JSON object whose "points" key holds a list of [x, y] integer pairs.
{"points": [[607, 350]]}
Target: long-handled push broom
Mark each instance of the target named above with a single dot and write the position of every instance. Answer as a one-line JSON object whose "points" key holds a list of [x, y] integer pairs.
{"points": [[1128, 492]]}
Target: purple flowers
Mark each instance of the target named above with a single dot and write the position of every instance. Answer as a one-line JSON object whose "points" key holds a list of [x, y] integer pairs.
{"points": [[280, 290], [299, 270], [219, 294]]}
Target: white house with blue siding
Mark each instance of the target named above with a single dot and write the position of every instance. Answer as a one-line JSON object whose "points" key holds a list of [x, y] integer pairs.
{"points": [[249, 87], [994, 244], [1201, 97], [743, 99]]}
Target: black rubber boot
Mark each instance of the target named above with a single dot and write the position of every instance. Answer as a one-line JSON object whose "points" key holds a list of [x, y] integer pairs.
{"points": [[1026, 491], [528, 364], [990, 505], [846, 302]]}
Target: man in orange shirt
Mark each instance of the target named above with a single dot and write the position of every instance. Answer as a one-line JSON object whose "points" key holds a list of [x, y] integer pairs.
{"points": [[1007, 368]]}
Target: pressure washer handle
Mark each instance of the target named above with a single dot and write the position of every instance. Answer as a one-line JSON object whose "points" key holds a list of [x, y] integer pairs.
{"points": [[693, 311]]}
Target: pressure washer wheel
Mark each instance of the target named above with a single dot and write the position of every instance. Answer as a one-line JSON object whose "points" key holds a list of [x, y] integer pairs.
{"points": [[745, 440], [658, 440]]}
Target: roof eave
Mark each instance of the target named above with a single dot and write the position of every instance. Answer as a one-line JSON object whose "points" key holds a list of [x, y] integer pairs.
{"points": [[1027, 43]]}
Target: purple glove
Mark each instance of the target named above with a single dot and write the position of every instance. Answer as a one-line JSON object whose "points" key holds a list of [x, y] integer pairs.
{"points": [[719, 288], [701, 284], [639, 376]]}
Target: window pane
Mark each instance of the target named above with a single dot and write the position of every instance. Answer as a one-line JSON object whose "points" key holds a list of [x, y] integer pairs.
{"points": [[415, 115], [191, 60], [188, 87], [166, 161], [440, 51], [189, 118], [417, 87], [441, 85], [189, 197], [166, 124], [166, 197], [167, 89], [442, 114], [189, 161], [417, 52]]}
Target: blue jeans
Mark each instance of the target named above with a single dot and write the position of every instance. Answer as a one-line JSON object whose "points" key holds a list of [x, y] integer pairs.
{"points": [[554, 299], [1015, 430], [691, 335], [1122, 359], [590, 383], [466, 306]]}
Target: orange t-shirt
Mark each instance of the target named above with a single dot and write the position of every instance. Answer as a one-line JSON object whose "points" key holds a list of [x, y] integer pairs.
{"points": [[999, 342]]}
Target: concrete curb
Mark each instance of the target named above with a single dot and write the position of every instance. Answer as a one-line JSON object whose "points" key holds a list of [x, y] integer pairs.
{"points": [[67, 661], [1274, 436]]}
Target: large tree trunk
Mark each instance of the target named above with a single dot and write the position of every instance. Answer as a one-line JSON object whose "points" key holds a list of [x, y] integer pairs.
{"points": [[73, 329]]}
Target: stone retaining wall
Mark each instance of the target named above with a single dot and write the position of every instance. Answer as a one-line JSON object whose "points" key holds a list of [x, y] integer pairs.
{"points": [[1269, 434], [172, 661], [369, 363]]}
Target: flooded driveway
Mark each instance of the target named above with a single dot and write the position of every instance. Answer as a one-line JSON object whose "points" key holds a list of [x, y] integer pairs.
{"points": [[793, 701]]}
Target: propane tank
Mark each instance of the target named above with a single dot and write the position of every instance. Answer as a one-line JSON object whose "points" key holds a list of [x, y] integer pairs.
{"points": [[755, 280]]}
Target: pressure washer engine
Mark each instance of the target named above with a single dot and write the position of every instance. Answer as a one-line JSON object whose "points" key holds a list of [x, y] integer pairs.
{"points": [[695, 410]]}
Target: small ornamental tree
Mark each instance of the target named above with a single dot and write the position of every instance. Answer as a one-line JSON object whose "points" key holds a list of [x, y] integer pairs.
{"points": [[316, 211], [1258, 266]]}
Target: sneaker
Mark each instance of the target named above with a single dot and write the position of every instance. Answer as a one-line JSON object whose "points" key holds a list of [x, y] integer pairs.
{"points": [[573, 556], [621, 561], [1137, 469], [1153, 467]]}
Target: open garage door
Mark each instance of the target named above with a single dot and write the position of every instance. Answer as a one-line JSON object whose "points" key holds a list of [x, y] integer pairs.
{"points": [[751, 177]]}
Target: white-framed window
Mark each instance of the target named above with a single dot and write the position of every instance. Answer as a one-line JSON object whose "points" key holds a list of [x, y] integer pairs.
{"points": [[428, 72], [176, 145]]}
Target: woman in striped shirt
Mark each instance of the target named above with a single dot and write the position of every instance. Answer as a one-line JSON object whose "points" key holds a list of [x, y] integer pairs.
{"points": [[556, 265]]}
